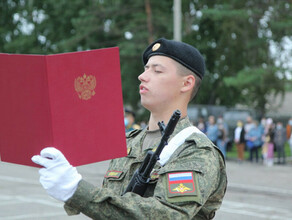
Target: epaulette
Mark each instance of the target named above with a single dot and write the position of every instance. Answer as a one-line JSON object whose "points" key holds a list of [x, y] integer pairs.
{"points": [[193, 138]]}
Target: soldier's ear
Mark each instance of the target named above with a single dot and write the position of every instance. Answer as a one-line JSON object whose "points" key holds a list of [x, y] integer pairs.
{"points": [[188, 83]]}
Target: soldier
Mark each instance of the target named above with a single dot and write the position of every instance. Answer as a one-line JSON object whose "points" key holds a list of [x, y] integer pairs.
{"points": [[130, 120], [190, 185]]}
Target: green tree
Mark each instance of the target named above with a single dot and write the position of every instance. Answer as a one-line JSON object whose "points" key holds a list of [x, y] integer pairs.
{"points": [[234, 37]]}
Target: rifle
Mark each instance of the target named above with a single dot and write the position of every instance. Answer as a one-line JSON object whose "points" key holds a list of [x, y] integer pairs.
{"points": [[141, 177]]}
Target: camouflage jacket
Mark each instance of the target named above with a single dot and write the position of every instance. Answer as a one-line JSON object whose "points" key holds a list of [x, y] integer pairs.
{"points": [[191, 185]]}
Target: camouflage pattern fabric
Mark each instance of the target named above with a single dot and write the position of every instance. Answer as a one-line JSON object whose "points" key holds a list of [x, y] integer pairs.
{"points": [[191, 185]]}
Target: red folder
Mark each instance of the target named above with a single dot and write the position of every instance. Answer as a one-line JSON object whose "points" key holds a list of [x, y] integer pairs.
{"points": [[72, 101]]}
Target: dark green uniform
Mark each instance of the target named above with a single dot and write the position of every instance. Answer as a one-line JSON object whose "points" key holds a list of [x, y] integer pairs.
{"points": [[191, 185]]}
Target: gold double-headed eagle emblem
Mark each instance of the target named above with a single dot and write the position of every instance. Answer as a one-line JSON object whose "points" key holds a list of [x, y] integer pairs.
{"points": [[84, 86], [181, 188]]}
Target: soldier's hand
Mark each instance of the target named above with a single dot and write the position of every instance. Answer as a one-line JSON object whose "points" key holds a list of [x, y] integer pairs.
{"points": [[58, 177]]}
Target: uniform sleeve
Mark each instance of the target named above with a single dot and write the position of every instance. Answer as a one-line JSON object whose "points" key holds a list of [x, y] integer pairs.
{"points": [[105, 203]]}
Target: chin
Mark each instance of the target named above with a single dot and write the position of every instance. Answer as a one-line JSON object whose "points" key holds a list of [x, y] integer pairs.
{"points": [[146, 105]]}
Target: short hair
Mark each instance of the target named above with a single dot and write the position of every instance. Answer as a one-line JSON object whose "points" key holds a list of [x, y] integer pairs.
{"points": [[183, 71]]}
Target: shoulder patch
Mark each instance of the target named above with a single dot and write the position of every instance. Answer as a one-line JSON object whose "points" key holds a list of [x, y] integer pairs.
{"points": [[182, 183], [182, 186]]}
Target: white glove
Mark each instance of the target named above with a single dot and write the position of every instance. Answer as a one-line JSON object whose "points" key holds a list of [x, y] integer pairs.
{"points": [[58, 177]]}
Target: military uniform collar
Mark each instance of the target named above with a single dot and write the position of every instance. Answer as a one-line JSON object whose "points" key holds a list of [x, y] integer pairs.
{"points": [[136, 151], [182, 123]]}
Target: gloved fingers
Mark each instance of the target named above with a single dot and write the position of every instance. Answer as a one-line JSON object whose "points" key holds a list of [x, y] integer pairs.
{"points": [[50, 152], [53, 153], [35, 159], [45, 162]]}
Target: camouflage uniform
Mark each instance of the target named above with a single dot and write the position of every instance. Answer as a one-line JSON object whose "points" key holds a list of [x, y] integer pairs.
{"points": [[197, 195]]}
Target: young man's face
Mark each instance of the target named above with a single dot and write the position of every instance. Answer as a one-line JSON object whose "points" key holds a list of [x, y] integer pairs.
{"points": [[160, 84]]}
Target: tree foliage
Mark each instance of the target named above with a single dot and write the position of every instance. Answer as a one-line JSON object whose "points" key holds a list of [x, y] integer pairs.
{"points": [[235, 37]]}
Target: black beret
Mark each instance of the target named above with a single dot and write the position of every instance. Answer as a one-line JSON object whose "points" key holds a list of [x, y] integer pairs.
{"points": [[183, 53]]}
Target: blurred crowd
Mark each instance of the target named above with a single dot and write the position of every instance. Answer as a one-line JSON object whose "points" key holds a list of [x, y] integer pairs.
{"points": [[264, 140], [216, 130], [261, 139]]}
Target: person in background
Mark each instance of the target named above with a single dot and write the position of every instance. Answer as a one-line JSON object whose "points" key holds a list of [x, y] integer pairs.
{"points": [[239, 140], [268, 147], [212, 129], [280, 140], [248, 124], [130, 120], [254, 141], [263, 125], [220, 121], [201, 125], [222, 138], [289, 134]]}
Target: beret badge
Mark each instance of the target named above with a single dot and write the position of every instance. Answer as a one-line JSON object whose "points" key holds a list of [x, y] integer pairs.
{"points": [[155, 46]]}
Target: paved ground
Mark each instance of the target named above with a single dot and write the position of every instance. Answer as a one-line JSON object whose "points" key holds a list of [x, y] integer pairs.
{"points": [[254, 192], [257, 192]]}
